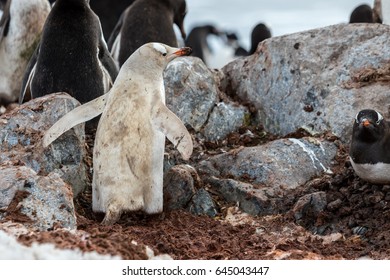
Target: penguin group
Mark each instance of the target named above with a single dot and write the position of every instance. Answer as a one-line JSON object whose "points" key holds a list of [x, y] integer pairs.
{"points": [[113, 63], [61, 46], [218, 47]]}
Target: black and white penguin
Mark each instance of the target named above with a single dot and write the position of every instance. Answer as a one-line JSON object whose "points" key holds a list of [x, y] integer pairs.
{"points": [[72, 55], [20, 30], [215, 47], [362, 13], [370, 147], [109, 13], [197, 41], [259, 33], [147, 21]]}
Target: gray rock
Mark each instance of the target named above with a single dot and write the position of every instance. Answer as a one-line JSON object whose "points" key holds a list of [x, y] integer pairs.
{"points": [[308, 209], [314, 79], [203, 204], [21, 132], [252, 200], [224, 119], [179, 187], [262, 178], [287, 163], [49, 201], [192, 94], [191, 91]]}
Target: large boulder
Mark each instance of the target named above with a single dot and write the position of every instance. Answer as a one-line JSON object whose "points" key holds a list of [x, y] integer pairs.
{"points": [[40, 202], [261, 178], [286, 162], [317, 80], [21, 132]]}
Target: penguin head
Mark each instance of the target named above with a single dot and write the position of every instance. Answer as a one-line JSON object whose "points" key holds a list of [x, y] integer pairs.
{"points": [[155, 56], [362, 13], [369, 125], [166, 53], [259, 33]]}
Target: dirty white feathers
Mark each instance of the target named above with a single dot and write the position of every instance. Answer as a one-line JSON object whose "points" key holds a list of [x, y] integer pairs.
{"points": [[130, 139], [20, 28]]}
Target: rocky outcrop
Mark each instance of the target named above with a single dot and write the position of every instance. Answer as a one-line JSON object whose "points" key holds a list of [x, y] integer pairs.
{"points": [[42, 202], [317, 80], [21, 132], [192, 94], [260, 177]]}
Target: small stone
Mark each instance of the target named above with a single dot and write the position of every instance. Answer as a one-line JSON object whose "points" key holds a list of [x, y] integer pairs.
{"points": [[203, 204], [308, 208], [178, 187], [334, 205]]}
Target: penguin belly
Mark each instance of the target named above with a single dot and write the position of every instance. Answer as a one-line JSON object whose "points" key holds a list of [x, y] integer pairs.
{"points": [[128, 161], [378, 173]]}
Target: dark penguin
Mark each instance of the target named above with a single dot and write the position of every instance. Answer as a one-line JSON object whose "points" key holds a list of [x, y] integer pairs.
{"points": [[197, 41], [72, 55], [370, 147], [362, 13], [259, 33], [109, 13], [147, 21]]}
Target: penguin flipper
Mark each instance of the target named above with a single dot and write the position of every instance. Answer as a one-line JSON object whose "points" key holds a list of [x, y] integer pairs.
{"points": [[4, 21], [78, 115], [173, 128], [28, 76]]}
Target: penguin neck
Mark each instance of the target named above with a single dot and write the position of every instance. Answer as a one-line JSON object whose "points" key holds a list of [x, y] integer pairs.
{"points": [[370, 136], [129, 72], [73, 3]]}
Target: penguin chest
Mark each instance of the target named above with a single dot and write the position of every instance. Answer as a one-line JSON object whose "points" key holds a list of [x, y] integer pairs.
{"points": [[376, 173], [126, 140]]}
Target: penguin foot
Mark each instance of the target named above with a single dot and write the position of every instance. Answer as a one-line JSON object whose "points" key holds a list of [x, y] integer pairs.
{"points": [[111, 217]]}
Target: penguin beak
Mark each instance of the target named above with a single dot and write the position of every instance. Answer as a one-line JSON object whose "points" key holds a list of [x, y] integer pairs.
{"points": [[365, 122], [183, 51]]}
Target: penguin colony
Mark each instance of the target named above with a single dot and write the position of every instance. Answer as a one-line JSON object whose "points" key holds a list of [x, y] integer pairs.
{"points": [[62, 48]]}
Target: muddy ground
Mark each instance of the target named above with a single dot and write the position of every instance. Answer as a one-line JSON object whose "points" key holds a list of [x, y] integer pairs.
{"points": [[355, 223]]}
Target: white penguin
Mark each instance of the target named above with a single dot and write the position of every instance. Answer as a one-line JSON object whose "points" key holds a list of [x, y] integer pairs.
{"points": [[130, 138], [20, 29]]}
